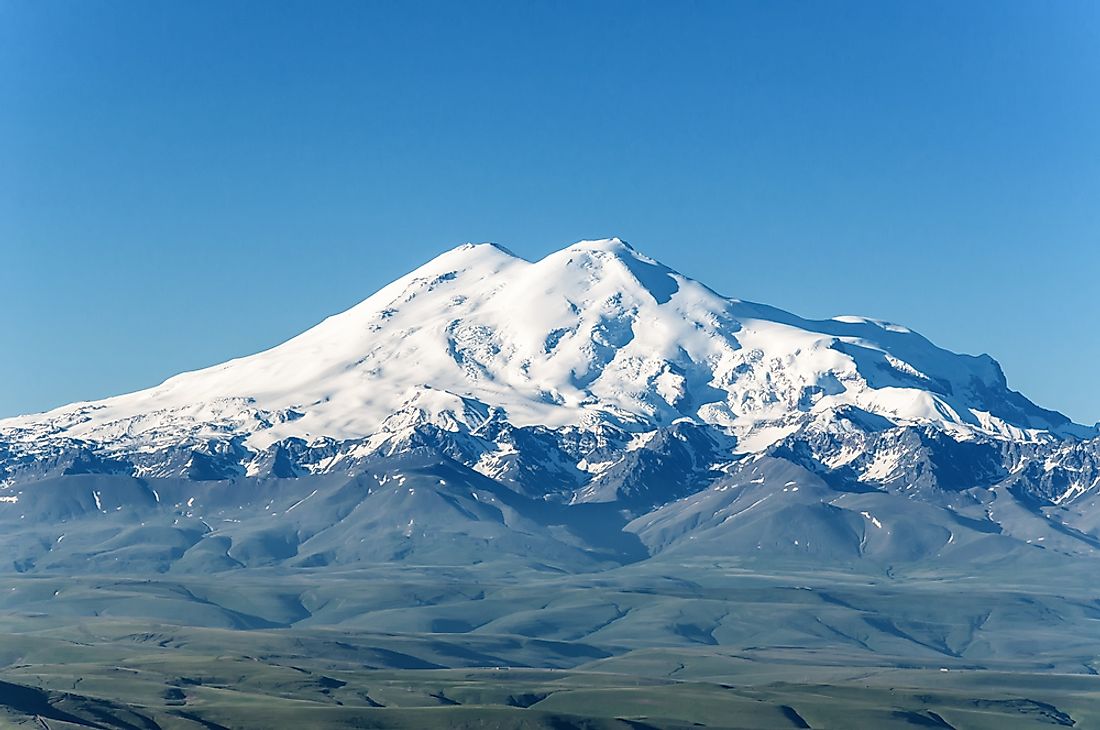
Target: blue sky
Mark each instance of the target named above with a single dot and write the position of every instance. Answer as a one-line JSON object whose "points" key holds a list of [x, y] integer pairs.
{"points": [[184, 182]]}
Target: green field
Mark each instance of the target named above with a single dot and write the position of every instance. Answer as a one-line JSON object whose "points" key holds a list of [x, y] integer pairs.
{"points": [[657, 644]]}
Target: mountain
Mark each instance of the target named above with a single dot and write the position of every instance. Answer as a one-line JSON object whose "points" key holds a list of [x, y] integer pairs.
{"points": [[580, 492], [594, 376]]}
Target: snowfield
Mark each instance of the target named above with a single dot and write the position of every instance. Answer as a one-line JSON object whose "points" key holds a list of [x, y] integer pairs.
{"points": [[596, 333]]}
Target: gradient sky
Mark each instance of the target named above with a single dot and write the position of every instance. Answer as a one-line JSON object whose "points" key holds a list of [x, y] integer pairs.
{"points": [[185, 182]]}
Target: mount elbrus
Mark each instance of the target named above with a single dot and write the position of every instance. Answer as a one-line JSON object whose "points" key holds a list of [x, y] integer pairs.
{"points": [[592, 407]]}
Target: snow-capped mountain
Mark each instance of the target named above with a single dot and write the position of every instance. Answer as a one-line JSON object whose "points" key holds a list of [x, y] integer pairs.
{"points": [[595, 374]]}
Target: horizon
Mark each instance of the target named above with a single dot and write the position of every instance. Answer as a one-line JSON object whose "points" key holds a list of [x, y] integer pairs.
{"points": [[188, 183]]}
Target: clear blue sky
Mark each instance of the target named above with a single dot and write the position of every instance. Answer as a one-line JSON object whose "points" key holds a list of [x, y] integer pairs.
{"points": [[184, 182]]}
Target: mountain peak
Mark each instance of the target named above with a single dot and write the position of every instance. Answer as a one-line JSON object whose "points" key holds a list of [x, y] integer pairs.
{"points": [[483, 246], [613, 245], [464, 256], [595, 334]]}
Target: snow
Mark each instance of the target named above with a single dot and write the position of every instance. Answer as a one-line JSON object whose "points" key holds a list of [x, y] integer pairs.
{"points": [[303, 499], [741, 512], [871, 518], [594, 334], [884, 465], [763, 437]]}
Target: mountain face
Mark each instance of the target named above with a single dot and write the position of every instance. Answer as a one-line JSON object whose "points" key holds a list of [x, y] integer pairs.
{"points": [[596, 376]]}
